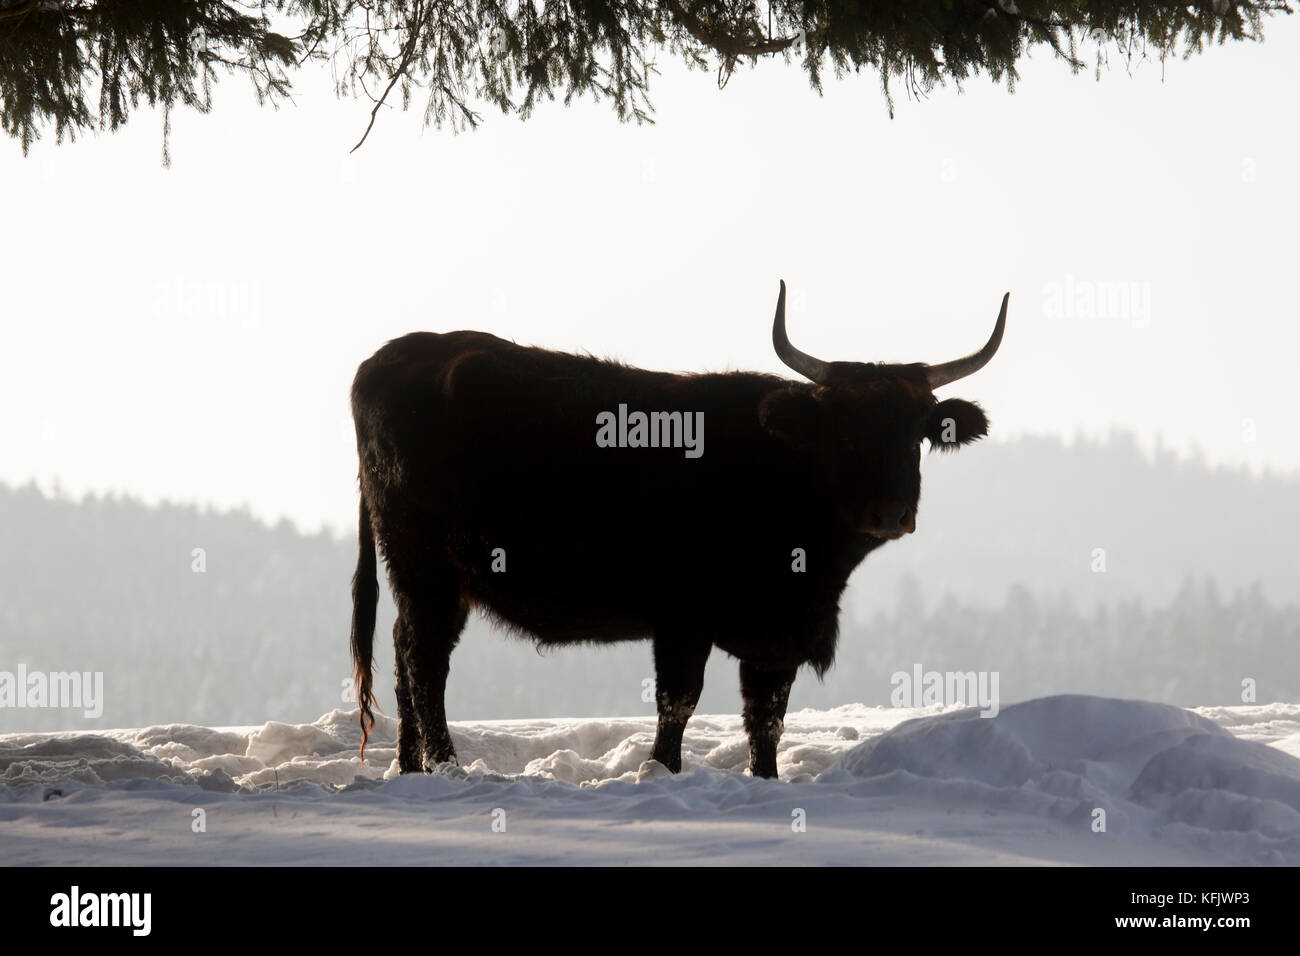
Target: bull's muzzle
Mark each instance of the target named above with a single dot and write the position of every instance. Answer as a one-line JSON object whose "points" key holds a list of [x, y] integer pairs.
{"points": [[889, 521]]}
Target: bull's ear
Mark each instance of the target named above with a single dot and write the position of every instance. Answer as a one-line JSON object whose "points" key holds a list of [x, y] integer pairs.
{"points": [[792, 415], [955, 422]]}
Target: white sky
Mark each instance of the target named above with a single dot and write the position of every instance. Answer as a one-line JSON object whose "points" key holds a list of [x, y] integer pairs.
{"points": [[191, 333]]}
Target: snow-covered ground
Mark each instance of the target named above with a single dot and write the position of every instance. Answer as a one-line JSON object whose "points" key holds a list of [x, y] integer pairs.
{"points": [[859, 785]]}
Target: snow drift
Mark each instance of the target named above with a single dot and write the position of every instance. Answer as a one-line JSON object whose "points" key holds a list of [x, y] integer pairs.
{"points": [[869, 785]]}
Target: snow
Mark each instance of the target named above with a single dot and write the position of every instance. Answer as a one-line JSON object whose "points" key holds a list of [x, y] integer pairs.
{"points": [[859, 785]]}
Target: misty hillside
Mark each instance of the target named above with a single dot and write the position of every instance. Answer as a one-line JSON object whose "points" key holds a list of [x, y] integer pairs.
{"points": [[1034, 511], [998, 577]]}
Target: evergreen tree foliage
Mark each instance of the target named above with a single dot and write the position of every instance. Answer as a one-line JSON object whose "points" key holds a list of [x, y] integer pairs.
{"points": [[85, 64]]}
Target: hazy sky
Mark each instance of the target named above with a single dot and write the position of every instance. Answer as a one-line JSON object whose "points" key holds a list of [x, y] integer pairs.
{"points": [[191, 333]]}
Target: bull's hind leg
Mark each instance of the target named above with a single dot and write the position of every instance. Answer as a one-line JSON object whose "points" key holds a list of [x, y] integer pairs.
{"points": [[766, 694], [679, 680], [429, 622], [410, 742]]}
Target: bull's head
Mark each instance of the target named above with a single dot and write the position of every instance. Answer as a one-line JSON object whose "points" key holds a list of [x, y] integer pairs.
{"points": [[862, 425]]}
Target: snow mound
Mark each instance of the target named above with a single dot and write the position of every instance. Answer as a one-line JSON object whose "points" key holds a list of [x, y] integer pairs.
{"points": [[85, 758], [1144, 766]]}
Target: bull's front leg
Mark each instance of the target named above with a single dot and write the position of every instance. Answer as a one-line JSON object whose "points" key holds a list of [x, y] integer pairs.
{"points": [[679, 681], [766, 694]]}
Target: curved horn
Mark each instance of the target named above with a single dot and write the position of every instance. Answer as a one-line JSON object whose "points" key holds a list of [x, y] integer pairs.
{"points": [[937, 375], [810, 368]]}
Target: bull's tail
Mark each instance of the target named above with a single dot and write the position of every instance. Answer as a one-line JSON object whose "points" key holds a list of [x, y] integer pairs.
{"points": [[365, 601]]}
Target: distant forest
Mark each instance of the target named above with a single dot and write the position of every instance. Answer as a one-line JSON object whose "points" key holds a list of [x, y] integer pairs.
{"points": [[1199, 592]]}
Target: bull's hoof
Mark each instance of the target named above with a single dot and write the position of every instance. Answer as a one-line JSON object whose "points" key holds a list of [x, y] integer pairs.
{"points": [[432, 762], [672, 764]]}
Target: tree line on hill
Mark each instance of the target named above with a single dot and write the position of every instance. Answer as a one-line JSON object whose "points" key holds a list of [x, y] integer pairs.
{"points": [[208, 617]]}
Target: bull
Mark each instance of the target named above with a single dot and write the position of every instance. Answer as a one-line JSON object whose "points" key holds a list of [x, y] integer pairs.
{"points": [[490, 479]]}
